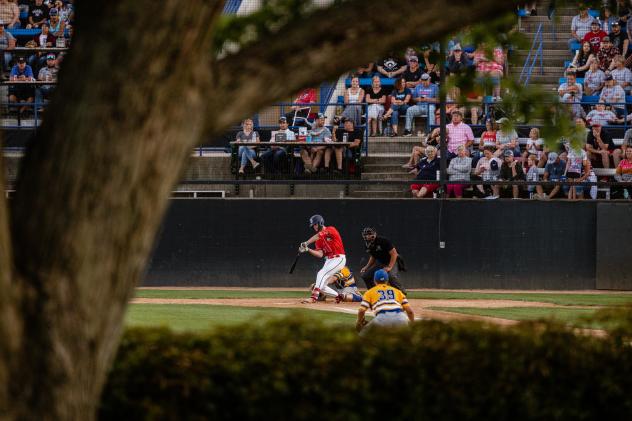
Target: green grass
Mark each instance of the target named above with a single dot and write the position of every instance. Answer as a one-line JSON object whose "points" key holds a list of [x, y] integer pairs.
{"points": [[217, 294], [572, 316], [559, 299], [193, 317]]}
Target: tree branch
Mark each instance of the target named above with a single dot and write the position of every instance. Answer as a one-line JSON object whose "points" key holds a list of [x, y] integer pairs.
{"points": [[331, 42]]}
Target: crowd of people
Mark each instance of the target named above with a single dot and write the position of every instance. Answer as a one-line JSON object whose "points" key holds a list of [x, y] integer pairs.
{"points": [[51, 23]]}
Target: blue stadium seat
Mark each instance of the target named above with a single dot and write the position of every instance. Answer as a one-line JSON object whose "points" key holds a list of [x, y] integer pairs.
{"points": [[522, 13], [628, 99], [341, 99], [580, 80], [567, 63], [24, 14], [590, 99], [366, 81], [593, 13], [575, 45]]}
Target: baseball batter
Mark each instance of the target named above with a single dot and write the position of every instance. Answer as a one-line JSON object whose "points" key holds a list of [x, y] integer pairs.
{"points": [[388, 304], [328, 244]]}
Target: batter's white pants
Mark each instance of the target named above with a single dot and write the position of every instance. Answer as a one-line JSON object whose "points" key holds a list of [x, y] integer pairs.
{"points": [[330, 267]]}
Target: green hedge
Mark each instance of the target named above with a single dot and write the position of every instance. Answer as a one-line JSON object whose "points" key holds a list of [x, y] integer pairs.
{"points": [[294, 369]]}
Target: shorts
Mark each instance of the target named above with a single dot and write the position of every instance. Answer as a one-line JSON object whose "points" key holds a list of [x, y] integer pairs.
{"points": [[430, 187]]}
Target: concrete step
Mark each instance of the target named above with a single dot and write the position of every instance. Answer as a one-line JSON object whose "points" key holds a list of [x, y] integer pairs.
{"points": [[548, 70], [380, 187], [393, 144], [389, 159], [559, 52], [548, 79], [381, 194], [386, 175], [381, 167]]}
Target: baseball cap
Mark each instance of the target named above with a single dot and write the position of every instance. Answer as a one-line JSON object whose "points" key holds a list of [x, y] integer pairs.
{"points": [[21, 60], [616, 23], [380, 275], [51, 56], [457, 47], [502, 120], [321, 115], [425, 76], [508, 153], [493, 165], [281, 119], [413, 58], [609, 77], [552, 157], [595, 22], [53, 12], [605, 39]]}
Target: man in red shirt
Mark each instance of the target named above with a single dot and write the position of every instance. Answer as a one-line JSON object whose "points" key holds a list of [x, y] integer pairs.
{"points": [[595, 36], [328, 245]]}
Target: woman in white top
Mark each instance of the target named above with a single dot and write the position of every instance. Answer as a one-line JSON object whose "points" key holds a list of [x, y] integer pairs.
{"points": [[376, 98], [354, 95]]}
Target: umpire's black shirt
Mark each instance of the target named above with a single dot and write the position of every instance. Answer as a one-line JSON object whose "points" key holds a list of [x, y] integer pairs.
{"points": [[380, 250]]}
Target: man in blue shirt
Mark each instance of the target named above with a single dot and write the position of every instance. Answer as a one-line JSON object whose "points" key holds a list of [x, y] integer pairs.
{"points": [[21, 72], [425, 96]]}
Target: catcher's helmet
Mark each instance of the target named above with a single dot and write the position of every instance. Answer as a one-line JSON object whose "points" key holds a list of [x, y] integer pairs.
{"points": [[368, 231], [317, 220]]}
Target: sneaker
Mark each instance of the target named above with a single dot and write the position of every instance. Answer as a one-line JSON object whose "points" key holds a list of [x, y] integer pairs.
{"points": [[407, 133], [491, 197], [256, 165], [393, 134]]}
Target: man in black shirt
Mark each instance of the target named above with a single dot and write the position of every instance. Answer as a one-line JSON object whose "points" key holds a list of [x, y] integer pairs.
{"points": [[348, 133], [382, 255], [391, 66], [619, 39], [413, 73], [600, 147]]}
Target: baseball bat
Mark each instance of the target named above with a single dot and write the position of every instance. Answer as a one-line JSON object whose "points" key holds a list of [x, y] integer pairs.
{"points": [[295, 261]]}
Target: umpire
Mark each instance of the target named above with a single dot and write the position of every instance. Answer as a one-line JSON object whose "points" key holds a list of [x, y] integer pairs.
{"points": [[382, 255]]}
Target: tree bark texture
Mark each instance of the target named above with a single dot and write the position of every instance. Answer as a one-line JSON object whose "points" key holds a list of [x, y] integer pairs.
{"points": [[135, 94]]}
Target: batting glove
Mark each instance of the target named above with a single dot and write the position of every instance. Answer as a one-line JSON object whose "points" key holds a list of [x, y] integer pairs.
{"points": [[303, 248]]}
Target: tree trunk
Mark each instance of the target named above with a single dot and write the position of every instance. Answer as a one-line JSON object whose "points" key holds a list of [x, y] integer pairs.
{"points": [[136, 92]]}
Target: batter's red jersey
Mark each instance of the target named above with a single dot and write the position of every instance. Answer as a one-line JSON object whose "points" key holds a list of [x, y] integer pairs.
{"points": [[330, 242]]}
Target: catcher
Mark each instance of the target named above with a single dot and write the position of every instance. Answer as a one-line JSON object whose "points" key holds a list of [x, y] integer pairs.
{"points": [[388, 304], [344, 283]]}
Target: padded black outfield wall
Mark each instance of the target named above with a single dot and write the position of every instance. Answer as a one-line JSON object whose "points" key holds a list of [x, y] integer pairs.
{"points": [[488, 244]]}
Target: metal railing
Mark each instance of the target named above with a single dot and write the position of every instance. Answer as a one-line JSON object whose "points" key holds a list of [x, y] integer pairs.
{"points": [[534, 53]]}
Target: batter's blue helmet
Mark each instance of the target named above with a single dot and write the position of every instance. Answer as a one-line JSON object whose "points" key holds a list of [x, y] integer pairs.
{"points": [[317, 220], [380, 276]]}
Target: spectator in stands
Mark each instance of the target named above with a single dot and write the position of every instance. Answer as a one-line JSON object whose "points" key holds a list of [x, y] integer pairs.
{"points": [[38, 15], [427, 174], [65, 11], [43, 39], [273, 157], [459, 170], [47, 74], [553, 171], [400, 98], [302, 108], [247, 153], [21, 72], [452, 103], [577, 170], [615, 95], [608, 19], [534, 144], [619, 38], [416, 155], [570, 87], [606, 55], [473, 106], [391, 66], [600, 116], [600, 145], [9, 14], [621, 74], [366, 71], [580, 26], [354, 97], [457, 61], [488, 137], [510, 170], [375, 98], [624, 172], [584, 57], [413, 73], [595, 36], [493, 68], [425, 96], [594, 79], [57, 26], [313, 156], [349, 134], [507, 138], [535, 190], [574, 105], [458, 133], [488, 169], [7, 43]]}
